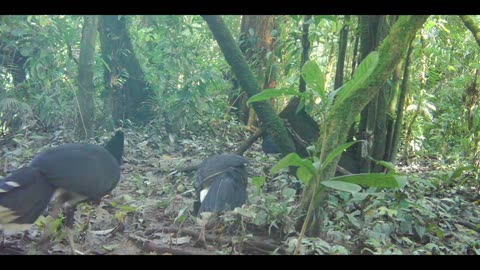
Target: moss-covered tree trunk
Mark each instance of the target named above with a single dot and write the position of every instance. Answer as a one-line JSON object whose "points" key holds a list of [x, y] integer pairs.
{"points": [[393, 97], [86, 110], [397, 130], [249, 84], [124, 79], [470, 24], [472, 91], [343, 112]]}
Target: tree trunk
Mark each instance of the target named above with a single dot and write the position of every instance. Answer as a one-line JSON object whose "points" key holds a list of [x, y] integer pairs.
{"points": [[397, 130], [329, 68], [257, 41], [355, 51], [305, 50], [249, 84], [373, 117], [343, 112], [342, 50], [423, 83], [470, 24], [392, 100], [124, 79], [86, 110]]}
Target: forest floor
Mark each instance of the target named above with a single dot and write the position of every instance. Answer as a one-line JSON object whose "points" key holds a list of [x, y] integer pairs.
{"points": [[150, 211]]}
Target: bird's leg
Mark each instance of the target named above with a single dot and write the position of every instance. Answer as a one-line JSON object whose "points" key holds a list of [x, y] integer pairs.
{"points": [[202, 242], [203, 221], [69, 220], [70, 240], [86, 226]]}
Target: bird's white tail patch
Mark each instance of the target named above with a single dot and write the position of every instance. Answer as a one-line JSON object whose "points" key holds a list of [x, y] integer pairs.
{"points": [[203, 193], [12, 184]]}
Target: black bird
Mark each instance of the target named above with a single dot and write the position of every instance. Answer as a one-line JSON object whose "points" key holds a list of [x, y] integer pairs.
{"points": [[221, 183], [73, 172], [268, 146]]}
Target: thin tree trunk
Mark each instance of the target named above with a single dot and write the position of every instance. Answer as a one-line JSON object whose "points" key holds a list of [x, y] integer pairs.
{"points": [[305, 50], [329, 69], [355, 52], [392, 101], [342, 51], [423, 82], [86, 108], [401, 106], [380, 130]]}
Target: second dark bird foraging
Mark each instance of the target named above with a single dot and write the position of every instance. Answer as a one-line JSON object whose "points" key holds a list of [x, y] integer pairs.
{"points": [[221, 183]]}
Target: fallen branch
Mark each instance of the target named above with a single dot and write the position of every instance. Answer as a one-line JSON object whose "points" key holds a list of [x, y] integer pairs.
{"points": [[149, 246], [469, 225], [249, 244], [262, 247], [192, 233], [249, 142]]}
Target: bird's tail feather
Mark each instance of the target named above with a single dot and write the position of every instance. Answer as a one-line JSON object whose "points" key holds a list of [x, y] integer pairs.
{"points": [[226, 192], [24, 195]]}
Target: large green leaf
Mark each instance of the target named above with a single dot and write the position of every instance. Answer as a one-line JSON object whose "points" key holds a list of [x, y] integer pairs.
{"points": [[363, 71], [388, 165], [378, 180], [288, 192], [338, 151], [314, 78], [271, 93], [293, 159], [258, 181], [304, 175], [342, 186]]}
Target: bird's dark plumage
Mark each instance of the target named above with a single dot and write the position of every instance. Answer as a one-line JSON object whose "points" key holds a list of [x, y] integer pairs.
{"points": [[115, 146], [268, 146], [79, 171], [225, 178]]}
